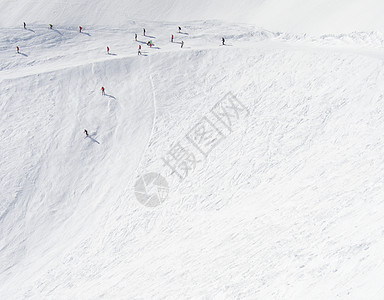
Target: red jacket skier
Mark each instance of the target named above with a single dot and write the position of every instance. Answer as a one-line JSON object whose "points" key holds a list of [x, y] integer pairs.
{"points": [[107, 49], [80, 29], [102, 91]]}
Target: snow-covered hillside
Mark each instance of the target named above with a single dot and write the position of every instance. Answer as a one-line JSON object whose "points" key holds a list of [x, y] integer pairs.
{"points": [[278, 138], [299, 16]]}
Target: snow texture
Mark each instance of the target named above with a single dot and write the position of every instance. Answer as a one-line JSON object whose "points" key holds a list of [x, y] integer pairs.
{"points": [[284, 200]]}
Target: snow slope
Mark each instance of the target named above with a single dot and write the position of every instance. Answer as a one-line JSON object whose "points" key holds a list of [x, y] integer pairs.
{"points": [[289, 205], [309, 16]]}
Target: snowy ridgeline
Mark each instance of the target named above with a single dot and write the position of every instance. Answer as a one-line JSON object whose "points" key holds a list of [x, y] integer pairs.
{"points": [[310, 16], [285, 203]]}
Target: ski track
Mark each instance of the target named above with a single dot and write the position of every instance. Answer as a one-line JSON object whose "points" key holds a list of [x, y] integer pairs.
{"points": [[153, 123]]}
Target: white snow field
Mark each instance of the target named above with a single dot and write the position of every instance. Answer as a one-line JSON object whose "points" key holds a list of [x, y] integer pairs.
{"points": [[299, 16], [278, 136]]}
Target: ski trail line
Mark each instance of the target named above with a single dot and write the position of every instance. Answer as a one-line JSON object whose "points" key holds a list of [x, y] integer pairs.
{"points": [[153, 121]]}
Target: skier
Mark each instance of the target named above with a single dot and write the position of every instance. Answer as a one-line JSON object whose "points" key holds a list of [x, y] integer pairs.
{"points": [[102, 91], [136, 37], [182, 44], [107, 50], [144, 31], [179, 29], [223, 40], [50, 26], [172, 38], [25, 26], [139, 51], [17, 49], [80, 29], [86, 132]]}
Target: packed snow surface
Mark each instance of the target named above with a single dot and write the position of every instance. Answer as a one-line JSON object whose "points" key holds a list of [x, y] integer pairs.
{"points": [[299, 16], [282, 199]]}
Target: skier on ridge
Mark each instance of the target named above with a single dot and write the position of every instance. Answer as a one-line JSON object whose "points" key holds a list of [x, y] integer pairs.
{"points": [[102, 91], [25, 26], [182, 44], [18, 49], [144, 31], [86, 132], [50, 26], [172, 38], [80, 29], [179, 29], [136, 37], [139, 51], [107, 50], [223, 41]]}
